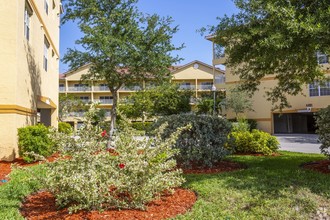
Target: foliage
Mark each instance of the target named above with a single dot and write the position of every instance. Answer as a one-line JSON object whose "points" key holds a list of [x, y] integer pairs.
{"points": [[34, 140], [69, 103], [269, 37], [271, 188], [64, 127], [203, 144], [238, 101], [252, 123], [255, 141], [120, 44], [95, 115], [91, 176], [205, 103], [166, 99], [141, 126], [323, 124]]}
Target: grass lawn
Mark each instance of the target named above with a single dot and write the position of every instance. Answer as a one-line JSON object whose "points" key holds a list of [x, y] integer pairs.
{"points": [[271, 188]]}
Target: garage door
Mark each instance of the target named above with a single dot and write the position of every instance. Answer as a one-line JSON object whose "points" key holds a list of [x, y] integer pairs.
{"points": [[296, 123]]}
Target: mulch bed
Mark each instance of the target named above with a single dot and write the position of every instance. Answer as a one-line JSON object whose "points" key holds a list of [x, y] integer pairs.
{"points": [[321, 166], [41, 205]]}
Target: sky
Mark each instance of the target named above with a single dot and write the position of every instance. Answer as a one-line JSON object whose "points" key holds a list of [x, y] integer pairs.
{"points": [[189, 15]]}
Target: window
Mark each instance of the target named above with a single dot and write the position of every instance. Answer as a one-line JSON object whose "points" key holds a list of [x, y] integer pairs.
{"points": [[46, 47], [106, 99], [27, 23], [185, 85], [322, 58], [85, 99], [319, 89], [220, 79], [206, 85], [46, 6], [61, 87]]}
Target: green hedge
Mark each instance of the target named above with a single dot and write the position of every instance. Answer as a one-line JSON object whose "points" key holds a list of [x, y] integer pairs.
{"points": [[255, 141], [34, 139], [141, 126], [204, 144]]}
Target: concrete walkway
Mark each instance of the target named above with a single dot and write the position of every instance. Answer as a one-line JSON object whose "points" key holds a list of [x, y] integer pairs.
{"points": [[304, 143]]}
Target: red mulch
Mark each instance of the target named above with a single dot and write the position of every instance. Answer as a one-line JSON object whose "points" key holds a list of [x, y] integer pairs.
{"points": [[42, 206], [5, 166], [319, 166]]}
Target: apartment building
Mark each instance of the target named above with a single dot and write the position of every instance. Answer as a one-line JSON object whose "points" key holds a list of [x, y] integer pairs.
{"points": [[29, 60], [299, 118], [195, 76]]}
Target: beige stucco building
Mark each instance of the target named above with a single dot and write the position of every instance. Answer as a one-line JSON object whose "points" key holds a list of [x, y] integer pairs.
{"points": [[29, 61], [196, 76], [297, 119]]}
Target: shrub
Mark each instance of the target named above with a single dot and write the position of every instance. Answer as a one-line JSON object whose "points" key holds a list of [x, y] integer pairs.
{"points": [[323, 124], [141, 126], [251, 122], [253, 142], [203, 144], [126, 177], [64, 127], [33, 141]]}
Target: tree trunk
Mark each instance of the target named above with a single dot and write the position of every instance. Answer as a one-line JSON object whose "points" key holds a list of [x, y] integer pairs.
{"points": [[113, 119]]}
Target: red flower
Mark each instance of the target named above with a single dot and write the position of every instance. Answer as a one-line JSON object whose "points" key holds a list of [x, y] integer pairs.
{"points": [[121, 165], [104, 133]]}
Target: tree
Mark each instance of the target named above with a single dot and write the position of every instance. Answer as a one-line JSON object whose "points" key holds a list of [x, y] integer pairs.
{"points": [[69, 103], [238, 101], [276, 37], [122, 45], [162, 100], [205, 104]]}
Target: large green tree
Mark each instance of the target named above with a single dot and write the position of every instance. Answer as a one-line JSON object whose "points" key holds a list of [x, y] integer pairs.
{"points": [[121, 44], [166, 99], [279, 37], [69, 103]]}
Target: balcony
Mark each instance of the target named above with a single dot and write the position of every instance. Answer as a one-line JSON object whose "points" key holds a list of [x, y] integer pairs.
{"points": [[61, 89], [101, 88], [104, 101], [206, 87], [79, 89], [76, 114], [187, 87], [130, 88]]}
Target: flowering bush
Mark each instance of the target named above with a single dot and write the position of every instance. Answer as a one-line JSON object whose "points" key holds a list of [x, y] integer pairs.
{"points": [[90, 176]]}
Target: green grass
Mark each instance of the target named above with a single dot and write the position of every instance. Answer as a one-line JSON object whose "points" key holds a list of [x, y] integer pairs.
{"points": [[270, 188]]}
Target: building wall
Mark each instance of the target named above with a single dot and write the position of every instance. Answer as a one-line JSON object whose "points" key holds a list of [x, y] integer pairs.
{"points": [[25, 86]]}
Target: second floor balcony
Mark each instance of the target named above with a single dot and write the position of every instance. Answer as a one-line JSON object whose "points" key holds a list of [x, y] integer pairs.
{"points": [[104, 101], [79, 88]]}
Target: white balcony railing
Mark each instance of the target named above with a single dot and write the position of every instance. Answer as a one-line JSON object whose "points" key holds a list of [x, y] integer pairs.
{"points": [[61, 89], [130, 88], [205, 87], [104, 101], [76, 114], [101, 88], [79, 89], [187, 87]]}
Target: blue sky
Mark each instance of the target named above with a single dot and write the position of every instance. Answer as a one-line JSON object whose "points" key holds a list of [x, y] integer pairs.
{"points": [[189, 15]]}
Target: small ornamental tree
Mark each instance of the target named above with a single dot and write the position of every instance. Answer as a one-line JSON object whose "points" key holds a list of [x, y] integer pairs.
{"points": [[121, 45], [238, 102], [323, 124]]}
